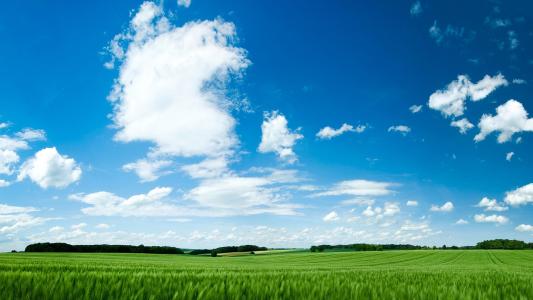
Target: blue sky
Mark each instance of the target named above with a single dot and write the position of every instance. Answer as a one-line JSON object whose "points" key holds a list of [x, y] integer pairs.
{"points": [[280, 123]]}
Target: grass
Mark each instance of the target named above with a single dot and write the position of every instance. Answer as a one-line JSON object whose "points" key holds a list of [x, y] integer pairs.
{"points": [[431, 274]]}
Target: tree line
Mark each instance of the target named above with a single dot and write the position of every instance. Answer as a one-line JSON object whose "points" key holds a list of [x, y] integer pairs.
{"points": [[228, 249], [489, 244], [63, 247]]}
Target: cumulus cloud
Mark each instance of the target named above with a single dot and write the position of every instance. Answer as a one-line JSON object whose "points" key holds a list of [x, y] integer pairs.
{"points": [[29, 134], [411, 203], [332, 216], [482, 218], [400, 128], [171, 85], [357, 187], [451, 100], [148, 169], [491, 205], [446, 207], [328, 133], [520, 196], [463, 124], [415, 108], [511, 117], [48, 168], [277, 137]]}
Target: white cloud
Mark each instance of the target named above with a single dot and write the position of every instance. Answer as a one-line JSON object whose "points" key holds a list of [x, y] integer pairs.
{"points": [[411, 203], [400, 128], [524, 228], [13, 144], [8, 209], [415, 108], [332, 216], [328, 133], [446, 207], [208, 168], [29, 134], [7, 159], [389, 209], [509, 156], [214, 197], [482, 218], [461, 222], [235, 195], [78, 226], [520, 196], [416, 8], [4, 183], [102, 226], [359, 202], [519, 81], [439, 35], [147, 169], [4, 125], [451, 101], [277, 137], [371, 212], [16, 218], [48, 168], [170, 90], [357, 187], [511, 117], [184, 3], [491, 205], [463, 124], [513, 40]]}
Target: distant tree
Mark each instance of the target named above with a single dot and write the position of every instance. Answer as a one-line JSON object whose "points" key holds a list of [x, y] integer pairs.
{"points": [[214, 253]]}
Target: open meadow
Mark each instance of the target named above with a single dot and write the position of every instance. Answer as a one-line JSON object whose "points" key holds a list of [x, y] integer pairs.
{"points": [[424, 274]]}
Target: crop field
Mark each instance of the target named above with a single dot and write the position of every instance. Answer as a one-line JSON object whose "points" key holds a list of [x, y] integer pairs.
{"points": [[424, 274]]}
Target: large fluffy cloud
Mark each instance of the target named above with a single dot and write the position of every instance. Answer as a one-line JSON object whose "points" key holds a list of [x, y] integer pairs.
{"points": [[521, 196], [451, 101], [277, 137], [511, 117], [48, 168], [170, 90]]}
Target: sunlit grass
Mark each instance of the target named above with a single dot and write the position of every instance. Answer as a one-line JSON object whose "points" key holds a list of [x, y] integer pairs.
{"points": [[469, 274]]}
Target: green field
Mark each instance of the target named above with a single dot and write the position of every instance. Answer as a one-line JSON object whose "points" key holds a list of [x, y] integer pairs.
{"points": [[430, 274]]}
